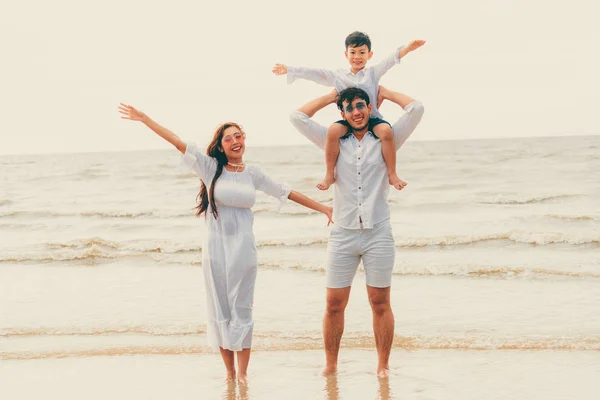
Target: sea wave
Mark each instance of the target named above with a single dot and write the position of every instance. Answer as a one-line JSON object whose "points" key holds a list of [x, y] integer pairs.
{"points": [[306, 341], [96, 248], [573, 217], [511, 200], [99, 214]]}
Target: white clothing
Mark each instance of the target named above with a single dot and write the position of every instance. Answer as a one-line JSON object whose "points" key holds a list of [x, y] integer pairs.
{"points": [[366, 79], [346, 247], [229, 260], [361, 187]]}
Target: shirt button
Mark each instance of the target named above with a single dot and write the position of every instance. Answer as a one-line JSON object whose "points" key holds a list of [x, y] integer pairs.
{"points": [[360, 204], [360, 187], [359, 158], [359, 173]]}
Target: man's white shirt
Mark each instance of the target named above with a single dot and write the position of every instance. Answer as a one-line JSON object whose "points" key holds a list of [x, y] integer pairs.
{"points": [[362, 185]]}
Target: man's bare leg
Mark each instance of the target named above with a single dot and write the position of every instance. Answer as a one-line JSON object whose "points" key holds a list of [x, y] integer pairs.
{"points": [[333, 326], [228, 360], [388, 149], [332, 151], [243, 358], [383, 326]]}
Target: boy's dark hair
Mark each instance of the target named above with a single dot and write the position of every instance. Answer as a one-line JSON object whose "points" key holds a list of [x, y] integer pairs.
{"points": [[349, 94], [357, 39]]}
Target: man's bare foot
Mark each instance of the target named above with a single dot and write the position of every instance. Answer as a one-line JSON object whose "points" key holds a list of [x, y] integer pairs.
{"points": [[230, 376], [397, 182], [242, 379], [383, 372], [326, 182], [327, 371]]}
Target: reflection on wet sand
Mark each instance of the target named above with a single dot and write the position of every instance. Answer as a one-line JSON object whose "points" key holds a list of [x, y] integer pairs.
{"points": [[235, 391], [332, 388]]}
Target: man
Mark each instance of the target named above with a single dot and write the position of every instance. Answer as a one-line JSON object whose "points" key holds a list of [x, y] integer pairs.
{"points": [[361, 214]]}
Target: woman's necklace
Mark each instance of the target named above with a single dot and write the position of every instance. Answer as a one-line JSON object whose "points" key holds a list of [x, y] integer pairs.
{"points": [[237, 166]]}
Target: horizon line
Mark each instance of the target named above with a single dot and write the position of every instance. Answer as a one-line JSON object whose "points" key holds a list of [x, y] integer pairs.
{"points": [[303, 145]]}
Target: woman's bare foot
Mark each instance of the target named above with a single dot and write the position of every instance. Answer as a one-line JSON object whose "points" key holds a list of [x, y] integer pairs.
{"points": [[397, 182], [230, 376], [242, 379], [326, 182]]}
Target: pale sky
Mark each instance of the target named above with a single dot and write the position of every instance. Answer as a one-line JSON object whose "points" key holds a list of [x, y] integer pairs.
{"points": [[490, 68]]}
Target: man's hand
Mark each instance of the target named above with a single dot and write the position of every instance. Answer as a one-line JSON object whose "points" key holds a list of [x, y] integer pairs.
{"points": [[280, 69]]}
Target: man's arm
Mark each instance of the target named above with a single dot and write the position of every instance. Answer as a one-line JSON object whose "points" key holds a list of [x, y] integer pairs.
{"points": [[301, 119], [413, 112]]}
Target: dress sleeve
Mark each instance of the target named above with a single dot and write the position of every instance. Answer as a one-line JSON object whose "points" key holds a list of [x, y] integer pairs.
{"points": [[202, 165], [265, 184]]}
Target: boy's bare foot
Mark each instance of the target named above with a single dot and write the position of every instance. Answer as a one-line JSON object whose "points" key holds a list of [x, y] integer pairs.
{"points": [[242, 379], [327, 371], [326, 182], [397, 182]]}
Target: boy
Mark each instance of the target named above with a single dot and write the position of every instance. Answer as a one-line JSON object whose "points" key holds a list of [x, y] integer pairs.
{"points": [[358, 52]]}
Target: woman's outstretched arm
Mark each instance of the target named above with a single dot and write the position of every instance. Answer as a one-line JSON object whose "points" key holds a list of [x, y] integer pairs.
{"points": [[133, 114], [305, 201]]}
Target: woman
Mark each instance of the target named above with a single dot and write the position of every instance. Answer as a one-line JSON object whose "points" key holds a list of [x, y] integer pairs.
{"points": [[228, 190]]}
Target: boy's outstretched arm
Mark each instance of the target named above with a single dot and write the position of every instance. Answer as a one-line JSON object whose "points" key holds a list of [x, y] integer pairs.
{"points": [[412, 46], [413, 112], [318, 75], [394, 58], [301, 118]]}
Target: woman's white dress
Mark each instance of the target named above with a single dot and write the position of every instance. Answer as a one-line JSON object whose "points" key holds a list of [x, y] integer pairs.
{"points": [[229, 256]]}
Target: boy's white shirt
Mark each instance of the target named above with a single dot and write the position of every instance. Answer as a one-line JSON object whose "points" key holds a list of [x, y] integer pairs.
{"points": [[366, 79]]}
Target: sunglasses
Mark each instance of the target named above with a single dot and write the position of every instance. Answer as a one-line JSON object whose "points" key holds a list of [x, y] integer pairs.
{"points": [[238, 136], [361, 105]]}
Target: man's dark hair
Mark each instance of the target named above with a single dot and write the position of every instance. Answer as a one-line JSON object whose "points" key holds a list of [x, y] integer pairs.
{"points": [[350, 94], [357, 39]]}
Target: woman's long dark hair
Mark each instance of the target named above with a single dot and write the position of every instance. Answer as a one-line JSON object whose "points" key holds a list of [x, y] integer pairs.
{"points": [[214, 150]]}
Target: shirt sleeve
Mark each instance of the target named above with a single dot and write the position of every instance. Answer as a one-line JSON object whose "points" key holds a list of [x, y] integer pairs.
{"points": [[313, 131], [321, 76], [265, 184], [383, 66], [204, 166], [407, 123]]}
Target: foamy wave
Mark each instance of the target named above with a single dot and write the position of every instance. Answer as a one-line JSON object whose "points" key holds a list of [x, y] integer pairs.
{"points": [[279, 341], [450, 270], [94, 249], [531, 238], [123, 330], [573, 217], [99, 214], [504, 199]]}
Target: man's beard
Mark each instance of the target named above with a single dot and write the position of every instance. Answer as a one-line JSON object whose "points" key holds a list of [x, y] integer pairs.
{"points": [[359, 128]]}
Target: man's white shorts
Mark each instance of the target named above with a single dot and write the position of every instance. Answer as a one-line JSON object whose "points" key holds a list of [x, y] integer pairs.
{"points": [[347, 247]]}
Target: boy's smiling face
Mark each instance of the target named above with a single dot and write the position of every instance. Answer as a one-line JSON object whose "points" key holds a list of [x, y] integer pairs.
{"points": [[358, 57]]}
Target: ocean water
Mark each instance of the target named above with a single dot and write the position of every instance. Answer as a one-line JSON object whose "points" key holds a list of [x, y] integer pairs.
{"points": [[497, 266]]}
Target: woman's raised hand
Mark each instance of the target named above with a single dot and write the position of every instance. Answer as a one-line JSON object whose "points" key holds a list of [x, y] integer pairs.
{"points": [[131, 113]]}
